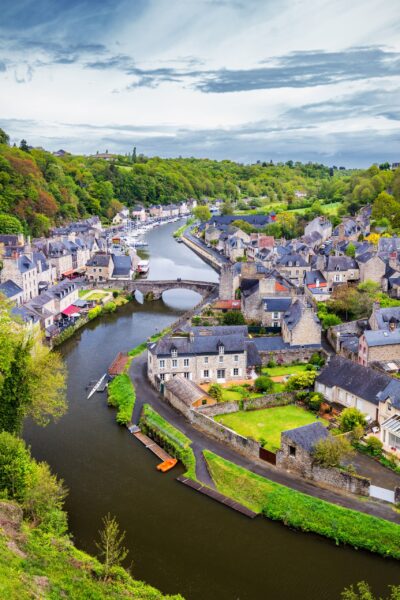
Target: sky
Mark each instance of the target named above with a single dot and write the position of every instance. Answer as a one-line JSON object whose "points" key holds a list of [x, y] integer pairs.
{"points": [[244, 80]]}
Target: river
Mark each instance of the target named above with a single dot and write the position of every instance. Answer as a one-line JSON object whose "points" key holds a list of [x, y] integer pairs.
{"points": [[178, 540]]}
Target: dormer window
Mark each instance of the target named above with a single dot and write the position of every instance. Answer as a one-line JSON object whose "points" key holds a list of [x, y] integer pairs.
{"points": [[221, 349], [174, 352]]}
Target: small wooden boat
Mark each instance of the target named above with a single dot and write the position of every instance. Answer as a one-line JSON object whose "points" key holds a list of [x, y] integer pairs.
{"points": [[167, 465]]}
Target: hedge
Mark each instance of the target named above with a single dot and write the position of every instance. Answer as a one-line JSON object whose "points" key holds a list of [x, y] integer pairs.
{"points": [[170, 438], [121, 394], [304, 512]]}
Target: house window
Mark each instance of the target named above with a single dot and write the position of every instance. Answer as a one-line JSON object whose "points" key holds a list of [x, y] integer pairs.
{"points": [[162, 364], [221, 374], [292, 451], [185, 362], [221, 349], [206, 373], [206, 360], [275, 324], [235, 372], [337, 277], [221, 359], [162, 376], [174, 363], [236, 358], [276, 315], [186, 375], [174, 352]]}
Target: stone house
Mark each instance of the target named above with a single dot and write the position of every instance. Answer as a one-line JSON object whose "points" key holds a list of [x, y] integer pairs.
{"points": [[139, 212], [321, 225], [340, 269], [348, 230], [300, 325], [254, 292], [274, 309], [184, 394], [293, 267], [122, 267], [297, 445], [202, 355], [371, 267], [380, 345], [99, 267], [13, 292], [59, 257], [316, 286], [21, 270], [384, 318]]}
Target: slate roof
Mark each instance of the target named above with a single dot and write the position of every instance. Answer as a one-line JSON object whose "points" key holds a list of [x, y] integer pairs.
{"points": [[307, 436], [364, 382], [253, 357], [205, 341], [276, 304], [255, 220], [99, 260], [10, 289], [340, 263], [384, 315], [311, 277], [25, 264], [382, 337], [292, 260], [366, 256], [270, 343], [184, 389], [390, 244], [122, 265]]}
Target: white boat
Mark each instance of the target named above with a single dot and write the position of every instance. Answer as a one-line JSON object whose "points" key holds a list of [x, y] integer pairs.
{"points": [[143, 266]]}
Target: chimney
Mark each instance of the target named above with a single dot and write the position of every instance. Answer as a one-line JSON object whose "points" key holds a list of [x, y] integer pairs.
{"points": [[191, 337]]}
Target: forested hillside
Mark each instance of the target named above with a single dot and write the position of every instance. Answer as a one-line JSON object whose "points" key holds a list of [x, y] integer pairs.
{"points": [[38, 189]]}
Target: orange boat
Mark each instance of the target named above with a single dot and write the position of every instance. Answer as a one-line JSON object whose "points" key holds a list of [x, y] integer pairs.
{"points": [[167, 465]]}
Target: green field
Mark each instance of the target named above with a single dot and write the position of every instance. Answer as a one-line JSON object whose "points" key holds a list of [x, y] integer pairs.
{"points": [[267, 424]]}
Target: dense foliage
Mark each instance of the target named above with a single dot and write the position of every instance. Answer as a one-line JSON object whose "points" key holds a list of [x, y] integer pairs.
{"points": [[121, 394], [304, 512]]}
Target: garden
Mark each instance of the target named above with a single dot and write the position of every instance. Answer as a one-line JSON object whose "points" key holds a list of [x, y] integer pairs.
{"points": [[266, 425]]}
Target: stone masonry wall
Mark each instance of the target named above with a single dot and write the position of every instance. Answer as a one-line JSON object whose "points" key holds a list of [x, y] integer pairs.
{"points": [[269, 401]]}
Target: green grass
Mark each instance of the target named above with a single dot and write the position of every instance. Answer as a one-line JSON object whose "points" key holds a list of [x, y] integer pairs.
{"points": [[82, 293], [67, 572], [304, 512], [142, 347], [121, 394], [267, 423], [96, 296], [283, 370], [171, 439]]}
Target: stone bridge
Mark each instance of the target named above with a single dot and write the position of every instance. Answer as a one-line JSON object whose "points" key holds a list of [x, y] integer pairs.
{"points": [[153, 290]]}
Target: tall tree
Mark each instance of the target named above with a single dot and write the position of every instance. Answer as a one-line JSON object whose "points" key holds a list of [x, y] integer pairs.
{"points": [[111, 547]]}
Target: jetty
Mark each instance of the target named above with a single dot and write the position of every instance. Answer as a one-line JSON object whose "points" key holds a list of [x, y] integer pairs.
{"points": [[168, 462]]}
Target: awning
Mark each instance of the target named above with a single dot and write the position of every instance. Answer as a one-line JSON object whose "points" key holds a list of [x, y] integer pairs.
{"points": [[71, 311], [392, 424]]}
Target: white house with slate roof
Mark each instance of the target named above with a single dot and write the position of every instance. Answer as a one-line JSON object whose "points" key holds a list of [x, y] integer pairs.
{"points": [[203, 354]]}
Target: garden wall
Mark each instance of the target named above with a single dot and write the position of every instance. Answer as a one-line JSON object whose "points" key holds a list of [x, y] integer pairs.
{"points": [[223, 434], [287, 356], [269, 401], [342, 480]]}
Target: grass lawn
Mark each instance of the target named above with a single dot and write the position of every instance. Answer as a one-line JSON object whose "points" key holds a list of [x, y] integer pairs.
{"points": [[268, 423], [304, 512], [96, 295], [283, 370], [82, 293]]}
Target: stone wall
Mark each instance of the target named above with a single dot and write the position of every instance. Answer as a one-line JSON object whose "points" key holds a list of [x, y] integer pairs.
{"points": [[207, 425], [334, 333], [202, 252], [286, 356], [269, 401], [355, 484]]}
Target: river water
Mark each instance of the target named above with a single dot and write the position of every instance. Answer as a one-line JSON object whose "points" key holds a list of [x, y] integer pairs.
{"points": [[179, 541]]}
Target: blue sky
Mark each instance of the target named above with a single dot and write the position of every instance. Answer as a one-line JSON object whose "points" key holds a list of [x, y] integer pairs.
{"points": [[241, 79]]}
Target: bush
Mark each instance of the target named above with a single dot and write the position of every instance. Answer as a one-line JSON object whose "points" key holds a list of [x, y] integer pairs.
{"points": [[311, 367], [215, 391], [374, 445], [329, 452], [115, 294], [121, 394], [110, 307], [94, 312], [263, 384], [301, 381], [271, 364], [315, 402], [302, 396], [350, 418], [233, 317]]}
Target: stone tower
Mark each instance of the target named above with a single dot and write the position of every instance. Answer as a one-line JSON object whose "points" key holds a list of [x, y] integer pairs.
{"points": [[226, 291]]}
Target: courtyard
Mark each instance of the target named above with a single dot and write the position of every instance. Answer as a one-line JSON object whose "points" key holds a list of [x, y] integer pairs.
{"points": [[266, 425]]}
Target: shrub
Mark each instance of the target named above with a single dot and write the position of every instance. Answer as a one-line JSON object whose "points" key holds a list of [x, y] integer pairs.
{"points": [[311, 367], [302, 396], [329, 452], [271, 364], [115, 294], [121, 394], [94, 312], [233, 317], [110, 307], [350, 418], [196, 321], [315, 401], [374, 446], [301, 381], [263, 384], [215, 391]]}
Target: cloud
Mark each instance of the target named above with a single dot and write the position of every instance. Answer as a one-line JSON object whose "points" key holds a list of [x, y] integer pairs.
{"points": [[306, 69]]}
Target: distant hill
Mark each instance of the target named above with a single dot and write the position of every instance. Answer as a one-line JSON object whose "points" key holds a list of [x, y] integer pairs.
{"points": [[39, 189]]}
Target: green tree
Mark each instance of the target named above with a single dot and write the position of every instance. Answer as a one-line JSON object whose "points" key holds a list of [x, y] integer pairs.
{"points": [[4, 138], [215, 391], [301, 381], [110, 546], [351, 250], [44, 497], [227, 208], [24, 146], [10, 224], [350, 418], [15, 465], [362, 591], [202, 213], [234, 317], [329, 452]]}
